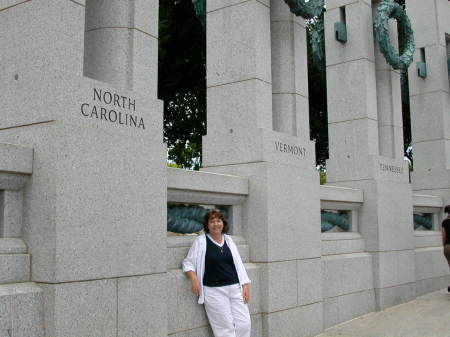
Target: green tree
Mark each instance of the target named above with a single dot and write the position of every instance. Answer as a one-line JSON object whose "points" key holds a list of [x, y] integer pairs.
{"points": [[182, 81], [317, 87]]}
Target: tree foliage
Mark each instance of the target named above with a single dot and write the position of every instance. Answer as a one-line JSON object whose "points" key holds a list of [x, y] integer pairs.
{"points": [[317, 87], [182, 81]]}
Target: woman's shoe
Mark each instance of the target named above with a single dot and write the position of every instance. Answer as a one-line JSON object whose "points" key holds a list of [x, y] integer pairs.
{"points": [[448, 289]]}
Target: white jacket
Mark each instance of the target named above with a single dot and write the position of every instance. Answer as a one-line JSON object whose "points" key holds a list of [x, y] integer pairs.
{"points": [[195, 261]]}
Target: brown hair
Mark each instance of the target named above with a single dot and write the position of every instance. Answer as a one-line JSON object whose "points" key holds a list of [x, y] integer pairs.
{"points": [[447, 209], [446, 222], [215, 213]]}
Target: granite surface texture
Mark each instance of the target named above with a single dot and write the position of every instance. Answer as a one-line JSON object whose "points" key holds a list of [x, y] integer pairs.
{"points": [[84, 185]]}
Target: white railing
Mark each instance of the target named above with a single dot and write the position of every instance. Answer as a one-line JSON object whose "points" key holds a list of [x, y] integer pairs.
{"points": [[204, 188], [342, 199]]}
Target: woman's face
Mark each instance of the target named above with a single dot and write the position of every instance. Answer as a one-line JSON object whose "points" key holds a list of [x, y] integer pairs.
{"points": [[215, 225]]}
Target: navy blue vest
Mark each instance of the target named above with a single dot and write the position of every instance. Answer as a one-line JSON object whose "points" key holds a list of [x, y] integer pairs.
{"points": [[219, 265]]}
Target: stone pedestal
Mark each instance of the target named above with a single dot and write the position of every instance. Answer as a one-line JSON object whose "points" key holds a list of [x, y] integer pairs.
{"points": [[95, 206], [429, 98], [258, 128], [281, 223], [366, 147]]}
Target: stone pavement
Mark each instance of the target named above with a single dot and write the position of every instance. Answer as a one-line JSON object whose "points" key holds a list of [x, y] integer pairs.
{"points": [[426, 316]]}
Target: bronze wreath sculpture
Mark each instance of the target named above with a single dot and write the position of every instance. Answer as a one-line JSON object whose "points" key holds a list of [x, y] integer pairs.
{"points": [[306, 10], [386, 10]]}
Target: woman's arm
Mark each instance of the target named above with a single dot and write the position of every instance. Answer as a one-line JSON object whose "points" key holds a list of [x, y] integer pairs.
{"points": [[444, 236], [189, 262], [246, 292], [195, 284], [189, 266]]}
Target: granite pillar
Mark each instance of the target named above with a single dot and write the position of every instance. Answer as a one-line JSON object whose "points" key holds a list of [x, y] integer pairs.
{"points": [[390, 123], [42, 33], [366, 147], [238, 66], [258, 127], [95, 207], [289, 71], [429, 98], [121, 43]]}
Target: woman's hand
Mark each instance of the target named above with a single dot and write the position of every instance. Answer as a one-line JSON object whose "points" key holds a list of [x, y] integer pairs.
{"points": [[246, 293], [195, 284]]}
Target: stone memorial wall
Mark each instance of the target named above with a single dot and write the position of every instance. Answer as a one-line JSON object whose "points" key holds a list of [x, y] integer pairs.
{"points": [[430, 106], [95, 205], [84, 187], [366, 152]]}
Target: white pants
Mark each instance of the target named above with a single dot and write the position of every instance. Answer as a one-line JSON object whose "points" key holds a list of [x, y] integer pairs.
{"points": [[227, 313]]}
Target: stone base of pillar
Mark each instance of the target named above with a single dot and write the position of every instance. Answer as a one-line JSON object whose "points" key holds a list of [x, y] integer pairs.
{"points": [[281, 223], [388, 297], [299, 321], [95, 205], [108, 307], [22, 310], [385, 221]]}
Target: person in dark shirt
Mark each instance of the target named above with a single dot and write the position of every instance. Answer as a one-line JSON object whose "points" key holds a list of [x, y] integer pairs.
{"points": [[218, 277], [446, 236]]}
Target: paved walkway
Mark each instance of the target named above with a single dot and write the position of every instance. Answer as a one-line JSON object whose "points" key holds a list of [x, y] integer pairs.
{"points": [[426, 316]]}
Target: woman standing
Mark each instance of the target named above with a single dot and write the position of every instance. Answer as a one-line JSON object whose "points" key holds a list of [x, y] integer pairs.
{"points": [[446, 236], [218, 277]]}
